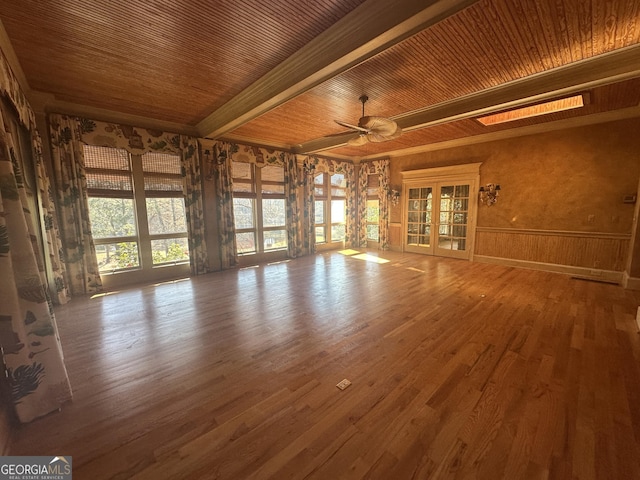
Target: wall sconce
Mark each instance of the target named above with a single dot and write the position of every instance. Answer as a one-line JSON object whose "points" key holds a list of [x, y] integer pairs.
{"points": [[489, 194], [395, 197]]}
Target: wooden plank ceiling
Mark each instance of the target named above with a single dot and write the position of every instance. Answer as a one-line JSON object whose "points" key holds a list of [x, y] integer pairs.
{"points": [[279, 72]]}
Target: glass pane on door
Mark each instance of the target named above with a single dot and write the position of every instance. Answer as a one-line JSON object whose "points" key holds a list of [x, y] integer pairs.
{"points": [[419, 216], [453, 216]]}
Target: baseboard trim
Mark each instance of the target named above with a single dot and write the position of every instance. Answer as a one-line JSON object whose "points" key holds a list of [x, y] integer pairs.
{"points": [[631, 283], [609, 276]]}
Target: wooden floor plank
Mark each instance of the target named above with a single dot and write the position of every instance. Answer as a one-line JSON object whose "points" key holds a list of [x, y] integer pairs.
{"points": [[458, 370]]}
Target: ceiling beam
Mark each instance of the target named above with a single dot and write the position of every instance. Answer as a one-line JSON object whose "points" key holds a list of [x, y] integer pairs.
{"points": [[539, 128], [366, 31], [601, 70]]}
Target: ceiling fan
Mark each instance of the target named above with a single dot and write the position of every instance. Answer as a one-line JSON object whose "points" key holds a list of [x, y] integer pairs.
{"points": [[372, 129]]}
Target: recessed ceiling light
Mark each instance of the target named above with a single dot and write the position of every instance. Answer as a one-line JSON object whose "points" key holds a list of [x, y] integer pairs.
{"points": [[545, 108]]}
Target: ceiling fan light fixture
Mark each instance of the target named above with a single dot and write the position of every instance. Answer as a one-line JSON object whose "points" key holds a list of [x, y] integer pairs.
{"points": [[357, 141]]}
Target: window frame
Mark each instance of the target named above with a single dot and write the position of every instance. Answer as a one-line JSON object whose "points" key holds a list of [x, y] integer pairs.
{"points": [[99, 193], [148, 194], [145, 269], [327, 197], [257, 194]]}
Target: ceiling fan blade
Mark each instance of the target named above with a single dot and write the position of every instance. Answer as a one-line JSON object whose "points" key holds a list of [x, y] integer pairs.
{"points": [[376, 137], [396, 134], [359, 140], [352, 127], [379, 125]]}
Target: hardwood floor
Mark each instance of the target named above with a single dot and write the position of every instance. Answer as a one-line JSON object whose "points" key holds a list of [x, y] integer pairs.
{"points": [[459, 370]]}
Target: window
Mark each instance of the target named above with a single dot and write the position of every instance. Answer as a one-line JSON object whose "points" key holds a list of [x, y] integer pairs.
{"points": [[373, 208], [165, 208], [135, 230], [454, 213], [259, 208], [320, 195], [330, 207], [111, 207], [419, 214]]}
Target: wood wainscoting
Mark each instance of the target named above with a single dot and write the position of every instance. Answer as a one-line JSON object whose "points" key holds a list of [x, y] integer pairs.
{"points": [[594, 255], [395, 236]]}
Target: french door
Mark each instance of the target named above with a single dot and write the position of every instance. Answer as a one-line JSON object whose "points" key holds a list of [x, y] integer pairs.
{"points": [[439, 213]]}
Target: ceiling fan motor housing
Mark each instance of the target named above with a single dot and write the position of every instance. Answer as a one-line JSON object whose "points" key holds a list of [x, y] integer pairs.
{"points": [[372, 128]]}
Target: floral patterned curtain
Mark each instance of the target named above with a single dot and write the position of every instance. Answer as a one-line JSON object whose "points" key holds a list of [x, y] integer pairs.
{"points": [[221, 173], [363, 180], [55, 268], [384, 192], [192, 187], [79, 253], [132, 139], [380, 168], [10, 87], [309, 206], [291, 187], [351, 227], [29, 338]]}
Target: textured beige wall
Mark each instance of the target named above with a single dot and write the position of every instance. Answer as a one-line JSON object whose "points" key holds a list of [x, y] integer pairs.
{"points": [[571, 180]]}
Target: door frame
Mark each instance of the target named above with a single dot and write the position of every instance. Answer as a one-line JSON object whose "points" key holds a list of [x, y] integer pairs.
{"points": [[428, 177]]}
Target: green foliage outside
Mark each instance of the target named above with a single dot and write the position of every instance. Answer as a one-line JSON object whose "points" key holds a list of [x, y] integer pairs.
{"points": [[126, 255], [115, 217], [173, 253], [115, 256]]}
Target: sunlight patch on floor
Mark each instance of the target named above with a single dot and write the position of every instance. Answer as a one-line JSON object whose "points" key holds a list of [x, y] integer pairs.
{"points": [[348, 252], [363, 256], [249, 267], [414, 269], [104, 294], [168, 282], [279, 262], [371, 258]]}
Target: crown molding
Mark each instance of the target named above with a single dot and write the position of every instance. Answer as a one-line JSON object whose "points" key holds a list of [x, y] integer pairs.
{"points": [[257, 143], [47, 103], [597, 118]]}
